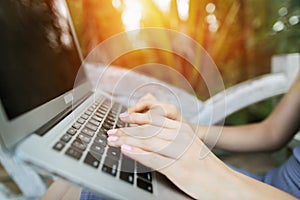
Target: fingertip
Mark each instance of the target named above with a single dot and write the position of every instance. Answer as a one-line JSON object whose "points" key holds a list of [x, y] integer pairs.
{"points": [[124, 115], [112, 132], [125, 147]]}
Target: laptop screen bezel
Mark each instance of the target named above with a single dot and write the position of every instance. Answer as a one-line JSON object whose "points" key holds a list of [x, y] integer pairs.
{"points": [[13, 131]]}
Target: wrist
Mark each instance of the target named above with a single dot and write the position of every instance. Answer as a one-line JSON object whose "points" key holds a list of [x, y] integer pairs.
{"points": [[200, 131]]}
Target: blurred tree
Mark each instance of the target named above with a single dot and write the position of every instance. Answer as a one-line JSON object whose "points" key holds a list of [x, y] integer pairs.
{"points": [[240, 35]]}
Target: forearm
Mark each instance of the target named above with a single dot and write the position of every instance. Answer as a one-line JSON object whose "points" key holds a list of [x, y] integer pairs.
{"points": [[212, 179], [271, 134], [247, 138], [249, 188]]}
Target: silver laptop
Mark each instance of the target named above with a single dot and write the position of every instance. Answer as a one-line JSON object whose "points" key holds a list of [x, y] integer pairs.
{"points": [[51, 124]]}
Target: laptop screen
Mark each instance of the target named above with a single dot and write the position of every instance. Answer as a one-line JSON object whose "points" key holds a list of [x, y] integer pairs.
{"points": [[38, 56]]}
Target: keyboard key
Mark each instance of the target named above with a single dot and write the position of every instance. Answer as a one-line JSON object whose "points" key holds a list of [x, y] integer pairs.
{"points": [[92, 159], [88, 112], [66, 138], [104, 130], [106, 126], [58, 146], [102, 134], [98, 149], [120, 124], [91, 127], [79, 145], [99, 119], [110, 166], [144, 185], [105, 106], [142, 168], [110, 122], [114, 153], [73, 153], [147, 176], [76, 126], [85, 116], [123, 109], [127, 164], [83, 138], [72, 131], [103, 109], [91, 109], [94, 122], [88, 132], [101, 141], [100, 115], [144, 172], [127, 169], [126, 176], [81, 120]]}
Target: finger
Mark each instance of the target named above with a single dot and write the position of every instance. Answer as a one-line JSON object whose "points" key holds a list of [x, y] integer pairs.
{"points": [[142, 106], [144, 132], [141, 137], [168, 110], [150, 117], [145, 103], [148, 96], [152, 160]]}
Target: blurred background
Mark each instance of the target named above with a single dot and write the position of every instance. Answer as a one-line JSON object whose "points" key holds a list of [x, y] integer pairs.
{"points": [[240, 36]]}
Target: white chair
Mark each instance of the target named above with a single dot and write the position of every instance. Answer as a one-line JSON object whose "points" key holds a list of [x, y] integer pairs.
{"points": [[284, 68]]}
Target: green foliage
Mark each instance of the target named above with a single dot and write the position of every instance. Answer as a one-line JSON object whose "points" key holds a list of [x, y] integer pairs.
{"points": [[262, 41], [274, 25], [253, 113]]}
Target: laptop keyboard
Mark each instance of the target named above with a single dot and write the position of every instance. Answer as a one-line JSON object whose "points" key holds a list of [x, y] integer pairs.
{"points": [[86, 141]]}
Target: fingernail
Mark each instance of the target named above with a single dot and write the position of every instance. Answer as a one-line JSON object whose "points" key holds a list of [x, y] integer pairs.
{"points": [[112, 138], [126, 147], [123, 115], [112, 132]]}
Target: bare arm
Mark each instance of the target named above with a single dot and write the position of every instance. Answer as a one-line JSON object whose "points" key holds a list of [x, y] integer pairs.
{"points": [[172, 148], [61, 190], [268, 135], [271, 134]]}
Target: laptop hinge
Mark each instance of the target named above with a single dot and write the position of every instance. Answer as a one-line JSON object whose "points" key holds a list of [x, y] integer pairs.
{"points": [[50, 124]]}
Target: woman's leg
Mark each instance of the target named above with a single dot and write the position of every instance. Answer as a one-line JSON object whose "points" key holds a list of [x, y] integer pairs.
{"points": [[62, 190]]}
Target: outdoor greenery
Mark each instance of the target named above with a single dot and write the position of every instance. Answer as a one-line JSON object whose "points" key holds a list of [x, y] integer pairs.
{"points": [[240, 35]]}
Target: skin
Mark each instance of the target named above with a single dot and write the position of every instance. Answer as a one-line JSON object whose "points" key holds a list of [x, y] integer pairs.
{"points": [[211, 179], [161, 139], [61, 190]]}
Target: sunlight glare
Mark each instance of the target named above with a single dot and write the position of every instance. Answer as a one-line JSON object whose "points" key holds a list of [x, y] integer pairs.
{"points": [[213, 27], [213, 24], [164, 5], [210, 8], [278, 26], [283, 11], [211, 18], [293, 20], [132, 14], [116, 3], [183, 9]]}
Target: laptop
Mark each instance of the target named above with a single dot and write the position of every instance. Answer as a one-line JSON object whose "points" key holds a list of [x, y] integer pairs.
{"points": [[53, 125]]}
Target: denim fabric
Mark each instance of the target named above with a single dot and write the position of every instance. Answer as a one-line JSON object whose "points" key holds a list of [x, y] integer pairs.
{"points": [[86, 195], [287, 176]]}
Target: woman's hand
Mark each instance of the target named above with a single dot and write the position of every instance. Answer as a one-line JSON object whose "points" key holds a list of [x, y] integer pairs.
{"points": [[162, 144], [149, 102], [172, 148]]}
